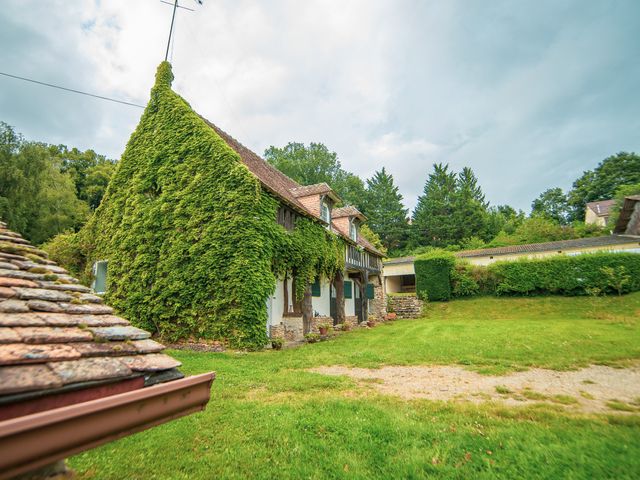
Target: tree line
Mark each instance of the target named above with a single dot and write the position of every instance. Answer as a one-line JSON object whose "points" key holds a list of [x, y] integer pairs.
{"points": [[452, 211], [48, 189]]}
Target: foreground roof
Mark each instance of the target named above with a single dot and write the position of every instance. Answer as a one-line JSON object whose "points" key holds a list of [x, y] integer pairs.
{"points": [[57, 336], [601, 208]]}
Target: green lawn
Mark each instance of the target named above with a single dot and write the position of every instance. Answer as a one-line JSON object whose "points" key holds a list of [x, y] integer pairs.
{"points": [[268, 418]]}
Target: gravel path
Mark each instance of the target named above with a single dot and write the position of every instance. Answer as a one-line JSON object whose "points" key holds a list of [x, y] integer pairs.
{"points": [[592, 389]]}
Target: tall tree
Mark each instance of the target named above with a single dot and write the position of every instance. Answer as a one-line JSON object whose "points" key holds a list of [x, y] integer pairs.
{"points": [[552, 204], [469, 208], [385, 211], [36, 197], [432, 219], [316, 164], [603, 182], [90, 172]]}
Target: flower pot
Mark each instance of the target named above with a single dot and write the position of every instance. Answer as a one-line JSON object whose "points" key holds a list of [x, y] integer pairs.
{"points": [[371, 323], [323, 330], [392, 316]]}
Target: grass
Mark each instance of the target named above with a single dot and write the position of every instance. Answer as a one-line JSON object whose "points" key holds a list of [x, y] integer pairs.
{"points": [[270, 418]]}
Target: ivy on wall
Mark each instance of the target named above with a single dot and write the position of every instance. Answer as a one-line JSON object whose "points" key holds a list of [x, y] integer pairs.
{"points": [[192, 241]]}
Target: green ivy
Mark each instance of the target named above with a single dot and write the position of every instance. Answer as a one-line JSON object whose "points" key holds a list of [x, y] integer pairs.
{"points": [[191, 237]]}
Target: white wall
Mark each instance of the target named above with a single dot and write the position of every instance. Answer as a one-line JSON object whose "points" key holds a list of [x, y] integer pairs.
{"points": [[349, 303], [277, 304], [322, 304]]}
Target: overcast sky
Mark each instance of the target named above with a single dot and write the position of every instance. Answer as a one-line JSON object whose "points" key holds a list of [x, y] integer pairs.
{"points": [[528, 94]]}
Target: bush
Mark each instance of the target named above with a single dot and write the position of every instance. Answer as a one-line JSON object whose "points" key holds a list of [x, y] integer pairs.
{"points": [[433, 275], [66, 250], [463, 283], [569, 275]]}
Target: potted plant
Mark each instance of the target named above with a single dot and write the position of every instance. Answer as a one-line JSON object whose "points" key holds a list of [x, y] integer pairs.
{"points": [[392, 316], [277, 343], [323, 328]]}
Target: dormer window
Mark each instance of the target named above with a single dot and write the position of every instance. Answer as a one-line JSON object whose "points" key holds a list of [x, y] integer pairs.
{"points": [[353, 231], [325, 212]]}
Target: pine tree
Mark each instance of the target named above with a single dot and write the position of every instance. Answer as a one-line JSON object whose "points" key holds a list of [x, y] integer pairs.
{"points": [[470, 208], [432, 220], [385, 211]]}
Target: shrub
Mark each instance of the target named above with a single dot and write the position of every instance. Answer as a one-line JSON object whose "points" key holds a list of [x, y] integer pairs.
{"points": [[66, 250], [433, 275], [569, 275], [463, 283]]}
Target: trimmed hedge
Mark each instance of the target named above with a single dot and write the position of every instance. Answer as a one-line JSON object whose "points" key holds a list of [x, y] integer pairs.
{"points": [[439, 276], [569, 275], [433, 275]]}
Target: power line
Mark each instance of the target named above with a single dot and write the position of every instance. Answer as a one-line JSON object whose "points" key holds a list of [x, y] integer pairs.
{"points": [[72, 90]]}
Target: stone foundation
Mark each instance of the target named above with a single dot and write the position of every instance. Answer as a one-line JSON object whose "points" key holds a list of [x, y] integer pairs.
{"points": [[352, 321], [378, 305], [317, 321], [405, 306], [290, 329]]}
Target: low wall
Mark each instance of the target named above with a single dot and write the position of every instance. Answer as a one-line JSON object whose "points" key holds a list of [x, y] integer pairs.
{"points": [[405, 306]]}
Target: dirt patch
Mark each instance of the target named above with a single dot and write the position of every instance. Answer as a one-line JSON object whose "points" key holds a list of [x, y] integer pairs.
{"points": [[592, 389]]}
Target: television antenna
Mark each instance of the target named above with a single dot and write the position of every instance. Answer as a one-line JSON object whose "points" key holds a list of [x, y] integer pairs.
{"points": [[173, 17]]}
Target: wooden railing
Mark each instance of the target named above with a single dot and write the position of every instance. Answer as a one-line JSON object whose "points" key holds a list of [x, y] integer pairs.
{"points": [[361, 259]]}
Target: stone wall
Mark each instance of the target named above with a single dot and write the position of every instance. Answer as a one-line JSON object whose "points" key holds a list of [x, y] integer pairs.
{"points": [[290, 329], [351, 320], [405, 306], [378, 306], [316, 321]]}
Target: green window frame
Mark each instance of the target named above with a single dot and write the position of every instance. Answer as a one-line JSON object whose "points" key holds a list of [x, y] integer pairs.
{"points": [[348, 289], [316, 290], [370, 293]]}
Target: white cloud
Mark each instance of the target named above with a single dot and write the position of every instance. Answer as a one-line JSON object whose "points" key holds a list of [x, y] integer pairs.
{"points": [[528, 95]]}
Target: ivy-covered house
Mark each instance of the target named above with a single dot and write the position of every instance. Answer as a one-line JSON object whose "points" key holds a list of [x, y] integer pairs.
{"points": [[200, 237]]}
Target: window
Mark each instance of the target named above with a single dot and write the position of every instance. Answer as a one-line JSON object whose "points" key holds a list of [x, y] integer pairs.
{"points": [[325, 213], [348, 289], [316, 291], [370, 290], [99, 284], [353, 231]]}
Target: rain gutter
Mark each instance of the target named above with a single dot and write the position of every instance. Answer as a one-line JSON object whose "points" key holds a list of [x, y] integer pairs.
{"points": [[33, 441]]}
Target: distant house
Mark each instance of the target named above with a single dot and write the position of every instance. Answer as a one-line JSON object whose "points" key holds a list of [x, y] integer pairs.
{"points": [[597, 213], [72, 374], [399, 273]]}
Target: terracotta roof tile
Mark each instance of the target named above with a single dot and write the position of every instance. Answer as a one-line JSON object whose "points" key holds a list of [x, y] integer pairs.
{"points": [[57, 334]]}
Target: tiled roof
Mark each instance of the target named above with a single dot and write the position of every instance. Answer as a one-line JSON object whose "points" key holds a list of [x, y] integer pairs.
{"points": [[278, 183], [601, 208], [348, 211], [315, 189], [399, 260], [609, 240], [56, 335]]}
